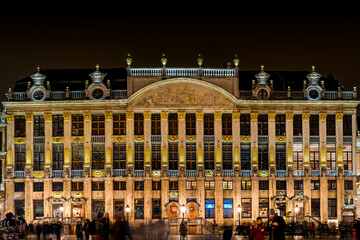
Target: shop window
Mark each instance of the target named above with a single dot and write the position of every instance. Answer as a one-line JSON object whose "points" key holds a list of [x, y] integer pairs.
{"points": [[228, 208]]}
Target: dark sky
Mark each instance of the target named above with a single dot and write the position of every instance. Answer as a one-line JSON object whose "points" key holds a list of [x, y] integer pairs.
{"points": [[283, 37]]}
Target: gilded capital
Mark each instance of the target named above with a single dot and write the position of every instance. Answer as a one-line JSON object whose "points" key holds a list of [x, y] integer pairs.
{"points": [[9, 118], [164, 115], [271, 115], [181, 115], [108, 115], [130, 115], [217, 115], [147, 115], [28, 116], [87, 115], [306, 116], [47, 116], [235, 115], [200, 115], [322, 116], [67, 116], [254, 116], [339, 116], [289, 115]]}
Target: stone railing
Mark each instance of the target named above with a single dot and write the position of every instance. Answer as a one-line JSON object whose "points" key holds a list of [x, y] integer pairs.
{"points": [[183, 72], [300, 95], [119, 172]]}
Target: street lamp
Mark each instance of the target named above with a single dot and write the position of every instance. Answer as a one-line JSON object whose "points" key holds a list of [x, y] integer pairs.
{"points": [[239, 211], [296, 213], [183, 210], [127, 210]]}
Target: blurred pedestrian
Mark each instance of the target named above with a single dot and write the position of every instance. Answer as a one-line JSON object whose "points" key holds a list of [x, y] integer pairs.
{"points": [[121, 228], [106, 226], [258, 231], [9, 227], [38, 230], [276, 226], [227, 235], [86, 229], [79, 231]]}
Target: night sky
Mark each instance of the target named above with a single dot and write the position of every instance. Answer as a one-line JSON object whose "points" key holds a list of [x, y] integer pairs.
{"points": [[284, 37]]}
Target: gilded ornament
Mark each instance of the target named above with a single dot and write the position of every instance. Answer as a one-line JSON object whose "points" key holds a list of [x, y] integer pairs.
{"points": [[163, 60], [77, 194], [227, 138], [28, 116], [173, 138], [217, 115], [138, 138], [200, 61], [306, 116], [119, 138], [47, 116], [245, 138], [263, 173], [190, 138], [181, 115], [9, 118], [98, 173], [236, 61], [67, 116], [58, 139], [77, 139], [280, 139], [254, 116], [147, 115], [87, 116], [156, 173], [57, 195], [200, 115], [19, 140], [322, 116], [129, 115], [129, 60], [38, 174], [164, 115], [289, 115], [108, 115], [271, 115], [339, 116], [236, 115], [209, 173]]}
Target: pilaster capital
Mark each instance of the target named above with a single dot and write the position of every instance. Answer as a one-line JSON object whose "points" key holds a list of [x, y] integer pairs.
{"points": [[217, 115], [87, 115], [235, 115], [254, 116], [306, 116], [199, 115], [339, 116], [322, 116], [129, 115], [9, 117], [271, 115], [147, 115], [47, 116], [289, 115], [164, 115], [181, 115], [108, 115], [67, 116], [28, 116]]}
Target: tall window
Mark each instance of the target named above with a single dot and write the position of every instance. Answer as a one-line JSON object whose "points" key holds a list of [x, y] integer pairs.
{"points": [[332, 209], [119, 206], [77, 125], [263, 125], [298, 156], [280, 125], [38, 187], [119, 124], [156, 209], [39, 126], [228, 208], [190, 124], [314, 125], [139, 156], [226, 124], [139, 208], [263, 185], [19, 208], [173, 156], [280, 157], [297, 125], [20, 126], [347, 156], [208, 124], [57, 125], [98, 124], [173, 123], [77, 186], [245, 156], [209, 208], [156, 185], [347, 125], [39, 157], [281, 185], [298, 185], [57, 156], [98, 186], [155, 124], [330, 125], [331, 156], [57, 186], [314, 156], [209, 160], [38, 208], [173, 185], [246, 185], [245, 124], [227, 155], [315, 207], [155, 155], [138, 124], [191, 156], [263, 207], [331, 184], [263, 157], [246, 207], [20, 157], [119, 155], [77, 161], [98, 156]]}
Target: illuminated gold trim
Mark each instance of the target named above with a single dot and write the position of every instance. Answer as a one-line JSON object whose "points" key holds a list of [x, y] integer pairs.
{"points": [[28, 116], [235, 115], [129, 115], [227, 138], [67, 116], [339, 116], [77, 194], [47, 116], [217, 115], [254, 116], [164, 115], [190, 138], [108, 115], [322, 116], [38, 174], [306, 116], [77, 139], [87, 116], [181, 115], [119, 138], [19, 140], [289, 115], [147, 115], [58, 139], [199, 115], [9, 118], [271, 115], [245, 138], [97, 173], [173, 138], [139, 138], [280, 139]]}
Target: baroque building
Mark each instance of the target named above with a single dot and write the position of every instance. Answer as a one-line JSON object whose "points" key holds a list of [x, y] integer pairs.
{"points": [[222, 145]]}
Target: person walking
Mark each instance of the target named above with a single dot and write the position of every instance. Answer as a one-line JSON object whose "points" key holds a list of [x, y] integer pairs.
{"points": [[99, 227], [57, 230], [276, 226], [356, 229], [79, 231], [121, 228], [183, 229], [38, 230], [257, 231], [9, 227], [227, 235], [312, 229], [86, 229], [292, 229], [106, 226]]}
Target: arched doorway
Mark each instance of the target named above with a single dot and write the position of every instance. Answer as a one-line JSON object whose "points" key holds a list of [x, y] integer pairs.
{"points": [[173, 213], [191, 215]]}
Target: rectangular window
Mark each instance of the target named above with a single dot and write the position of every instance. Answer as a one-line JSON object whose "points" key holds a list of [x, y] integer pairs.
{"points": [[228, 208], [138, 124], [155, 124], [156, 209], [119, 156], [38, 208], [19, 187], [155, 156], [315, 207], [347, 156], [98, 124], [39, 126], [227, 185], [245, 125], [209, 185], [298, 156], [209, 124], [39, 156], [77, 125], [191, 156], [330, 125], [97, 207], [190, 185], [314, 125], [246, 207], [209, 160], [77, 151], [280, 156], [263, 125], [57, 125], [263, 207], [348, 185], [226, 119], [173, 185], [173, 123], [209, 208], [190, 124], [280, 125], [139, 208], [119, 185], [347, 125], [20, 126], [20, 157], [139, 155], [173, 155], [20, 208], [332, 209], [227, 154], [119, 124], [315, 184], [98, 186], [331, 156], [38, 187], [246, 185], [245, 155], [280, 185], [57, 186], [263, 185], [119, 206], [263, 156], [98, 156], [139, 185], [314, 156], [297, 125], [77, 186], [57, 156], [156, 185], [331, 184], [298, 185]]}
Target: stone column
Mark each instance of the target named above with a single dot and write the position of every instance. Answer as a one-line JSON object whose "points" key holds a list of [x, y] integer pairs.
{"points": [[129, 143], [9, 196], [130, 200], [254, 141], [147, 143], [322, 138], [88, 194], [290, 193], [147, 200], [307, 192], [182, 142], [237, 196], [200, 195], [200, 143], [67, 195], [164, 195], [218, 143], [306, 141], [48, 144], [289, 142], [272, 192], [182, 190], [219, 201], [29, 144], [271, 134], [323, 199], [67, 145], [47, 194], [87, 145], [255, 198], [164, 142], [29, 203], [236, 143], [109, 197], [108, 144], [339, 141], [10, 156]]}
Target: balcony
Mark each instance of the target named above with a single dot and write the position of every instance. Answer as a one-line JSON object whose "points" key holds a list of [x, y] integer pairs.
{"points": [[228, 173], [39, 139], [139, 173], [156, 138], [57, 173], [315, 173], [246, 173], [173, 173], [98, 138], [19, 174], [332, 173], [191, 173], [281, 173], [297, 139], [348, 173], [119, 172], [298, 173], [183, 72], [209, 138], [263, 139], [77, 173]]}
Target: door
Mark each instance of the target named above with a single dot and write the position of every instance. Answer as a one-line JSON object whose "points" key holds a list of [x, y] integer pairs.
{"points": [[192, 221], [173, 218], [57, 210], [281, 209], [77, 210], [299, 209]]}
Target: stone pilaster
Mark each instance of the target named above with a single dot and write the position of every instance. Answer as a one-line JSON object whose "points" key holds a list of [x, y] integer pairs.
{"points": [[108, 144], [307, 192], [339, 140], [67, 195], [147, 201], [271, 134], [130, 142], [254, 141], [9, 196], [340, 195], [236, 142], [29, 143], [29, 203], [109, 197], [306, 139], [164, 140], [322, 138], [48, 141], [219, 201], [323, 199], [147, 140], [200, 196], [10, 156], [218, 142], [47, 194], [88, 192], [289, 141], [130, 200], [182, 191], [87, 143], [255, 198], [290, 193], [182, 141], [237, 197], [164, 196], [67, 142], [200, 140]]}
